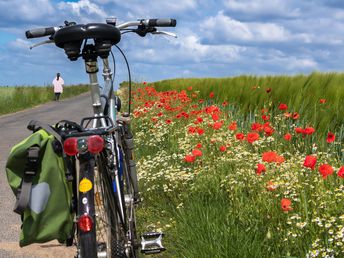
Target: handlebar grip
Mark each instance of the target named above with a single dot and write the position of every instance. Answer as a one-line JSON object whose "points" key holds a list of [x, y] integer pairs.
{"points": [[41, 32], [162, 22]]}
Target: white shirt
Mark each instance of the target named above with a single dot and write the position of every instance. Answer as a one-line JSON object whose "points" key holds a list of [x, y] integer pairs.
{"points": [[58, 85]]}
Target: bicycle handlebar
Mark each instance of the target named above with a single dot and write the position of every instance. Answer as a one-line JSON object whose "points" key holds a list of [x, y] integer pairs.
{"points": [[162, 22], [40, 32]]}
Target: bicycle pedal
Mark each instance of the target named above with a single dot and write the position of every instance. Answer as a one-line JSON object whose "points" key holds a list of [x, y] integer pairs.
{"points": [[151, 243]]}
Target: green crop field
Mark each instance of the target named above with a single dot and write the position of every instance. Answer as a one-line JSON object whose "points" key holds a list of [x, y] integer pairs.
{"points": [[243, 166], [13, 99]]}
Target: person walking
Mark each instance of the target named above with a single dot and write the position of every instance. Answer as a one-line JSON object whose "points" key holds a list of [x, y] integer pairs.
{"points": [[58, 86]]}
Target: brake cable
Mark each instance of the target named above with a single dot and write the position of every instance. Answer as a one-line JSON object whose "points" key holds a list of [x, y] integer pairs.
{"points": [[129, 74]]}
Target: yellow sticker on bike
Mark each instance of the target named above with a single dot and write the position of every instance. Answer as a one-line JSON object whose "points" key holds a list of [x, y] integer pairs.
{"points": [[85, 185]]}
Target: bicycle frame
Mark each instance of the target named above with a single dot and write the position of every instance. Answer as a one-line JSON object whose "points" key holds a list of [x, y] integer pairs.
{"points": [[113, 140]]}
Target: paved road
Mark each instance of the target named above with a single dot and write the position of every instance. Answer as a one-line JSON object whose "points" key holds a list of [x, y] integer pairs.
{"points": [[12, 130]]}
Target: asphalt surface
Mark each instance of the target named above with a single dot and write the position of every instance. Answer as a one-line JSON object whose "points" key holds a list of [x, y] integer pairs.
{"points": [[12, 130]]}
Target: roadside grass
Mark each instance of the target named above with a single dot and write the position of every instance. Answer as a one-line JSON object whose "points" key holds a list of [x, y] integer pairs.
{"points": [[217, 204], [13, 99]]}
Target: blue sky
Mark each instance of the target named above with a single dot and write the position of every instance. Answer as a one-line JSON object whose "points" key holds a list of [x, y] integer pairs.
{"points": [[215, 38]]}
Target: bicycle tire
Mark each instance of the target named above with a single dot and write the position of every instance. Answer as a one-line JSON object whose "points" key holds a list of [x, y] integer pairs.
{"points": [[110, 234], [130, 209]]}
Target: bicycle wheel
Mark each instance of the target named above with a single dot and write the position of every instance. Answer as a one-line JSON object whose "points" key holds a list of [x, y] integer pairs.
{"points": [[111, 236], [130, 204]]}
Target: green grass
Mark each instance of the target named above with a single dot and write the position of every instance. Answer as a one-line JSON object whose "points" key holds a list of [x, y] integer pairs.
{"points": [[13, 99]]}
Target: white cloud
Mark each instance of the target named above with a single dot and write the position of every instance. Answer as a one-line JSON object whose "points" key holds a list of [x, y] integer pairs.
{"points": [[295, 64], [274, 8], [24, 10], [150, 9], [222, 28], [186, 49], [82, 9], [20, 44]]}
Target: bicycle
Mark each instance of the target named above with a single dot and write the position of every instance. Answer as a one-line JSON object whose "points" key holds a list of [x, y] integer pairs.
{"points": [[99, 149]]}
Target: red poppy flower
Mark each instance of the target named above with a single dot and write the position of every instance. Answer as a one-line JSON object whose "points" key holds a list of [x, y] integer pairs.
{"points": [[200, 131], [271, 186], [217, 125], [322, 101], [268, 90], [199, 145], [189, 158], [211, 95], [264, 110], [287, 136], [341, 172], [232, 126], [283, 106], [330, 137], [201, 101], [223, 148], [310, 162], [225, 103], [192, 130], [299, 130], [215, 117], [268, 130], [296, 115], [184, 114], [199, 119], [287, 115], [252, 137], [189, 88], [144, 83], [265, 117], [240, 136], [197, 153], [256, 127], [154, 119], [325, 170], [279, 159], [211, 109], [269, 156], [260, 169], [309, 130], [286, 204], [168, 121]]}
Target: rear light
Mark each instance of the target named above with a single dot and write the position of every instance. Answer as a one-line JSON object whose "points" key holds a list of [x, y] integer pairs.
{"points": [[70, 146], [95, 144], [85, 223]]}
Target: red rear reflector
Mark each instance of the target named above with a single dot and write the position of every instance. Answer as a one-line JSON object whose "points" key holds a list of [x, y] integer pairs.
{"points": [[95, 144], [70, 146], [85, 223]]}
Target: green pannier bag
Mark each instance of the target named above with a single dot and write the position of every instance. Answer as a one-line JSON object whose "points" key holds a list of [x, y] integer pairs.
{"points": [[36, 171]]}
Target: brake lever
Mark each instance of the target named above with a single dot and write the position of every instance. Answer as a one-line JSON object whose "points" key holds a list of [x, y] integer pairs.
{"points": [[165, 33], [42, 43]]}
